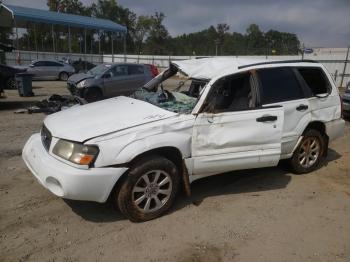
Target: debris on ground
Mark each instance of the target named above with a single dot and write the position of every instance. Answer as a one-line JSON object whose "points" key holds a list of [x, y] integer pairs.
{"points": [[53, 104]]}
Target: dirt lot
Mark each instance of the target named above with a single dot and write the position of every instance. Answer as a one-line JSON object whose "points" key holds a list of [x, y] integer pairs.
{"points": [[257, 215]]}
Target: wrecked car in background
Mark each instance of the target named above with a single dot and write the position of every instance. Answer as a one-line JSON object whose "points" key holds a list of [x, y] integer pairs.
{"points": [[109, 80], [139, 150]]}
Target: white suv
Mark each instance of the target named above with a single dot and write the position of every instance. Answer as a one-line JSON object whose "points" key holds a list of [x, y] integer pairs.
{"points": [[235, 114]]}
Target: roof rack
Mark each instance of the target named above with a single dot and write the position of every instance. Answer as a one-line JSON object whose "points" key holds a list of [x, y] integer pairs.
{"points": [[278, 62]]}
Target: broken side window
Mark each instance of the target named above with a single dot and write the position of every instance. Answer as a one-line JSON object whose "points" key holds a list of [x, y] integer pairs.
{"points": [[231, 93]]}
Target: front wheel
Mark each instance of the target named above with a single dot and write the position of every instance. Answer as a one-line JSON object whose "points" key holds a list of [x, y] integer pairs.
{"points": [[92, 94], [149, 189], [308, 154]]}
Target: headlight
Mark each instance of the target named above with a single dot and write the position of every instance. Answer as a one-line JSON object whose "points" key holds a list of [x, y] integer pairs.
{"points": [[75, 152], [81, 84]]}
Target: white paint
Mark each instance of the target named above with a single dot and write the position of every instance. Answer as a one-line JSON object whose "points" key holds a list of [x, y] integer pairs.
{"points": [[124, 128]]}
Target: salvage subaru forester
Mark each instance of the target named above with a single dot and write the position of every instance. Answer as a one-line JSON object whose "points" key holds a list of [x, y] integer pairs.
{"points": [[235, 114]]}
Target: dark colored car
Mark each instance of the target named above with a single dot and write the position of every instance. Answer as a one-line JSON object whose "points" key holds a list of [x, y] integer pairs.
{"points": [[346, 101], [109, 80], [7, 76]]}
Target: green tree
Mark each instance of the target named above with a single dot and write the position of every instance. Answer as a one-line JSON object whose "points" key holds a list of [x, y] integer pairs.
{"points": [[158, 40], [142, 30]]}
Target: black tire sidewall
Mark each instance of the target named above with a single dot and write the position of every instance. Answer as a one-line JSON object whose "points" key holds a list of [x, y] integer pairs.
{"points": [[92, 94], [124, 196], [294, 162]]}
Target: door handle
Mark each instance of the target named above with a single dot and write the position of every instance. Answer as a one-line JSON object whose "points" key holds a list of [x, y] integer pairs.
{"points": [[266, 119], [302, 107]]}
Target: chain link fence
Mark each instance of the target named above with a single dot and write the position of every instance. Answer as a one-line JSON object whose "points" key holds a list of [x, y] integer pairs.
{"points": [[336, 60]]}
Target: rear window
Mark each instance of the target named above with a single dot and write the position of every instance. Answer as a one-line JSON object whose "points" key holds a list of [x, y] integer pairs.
{"points": [[278, 85], [315, 79]]}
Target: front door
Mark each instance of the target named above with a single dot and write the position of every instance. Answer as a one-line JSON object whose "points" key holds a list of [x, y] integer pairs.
{"points": [[232, 132]]}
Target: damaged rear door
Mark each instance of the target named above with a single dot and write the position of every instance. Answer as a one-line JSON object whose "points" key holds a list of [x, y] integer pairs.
{"points": [[236, 134]]}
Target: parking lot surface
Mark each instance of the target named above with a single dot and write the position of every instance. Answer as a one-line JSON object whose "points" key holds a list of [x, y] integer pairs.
{"points": [[251, 215]]}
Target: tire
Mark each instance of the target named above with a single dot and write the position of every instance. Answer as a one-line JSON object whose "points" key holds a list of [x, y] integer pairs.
{"points": [[141, 199], [308, 155], [92, 95], [11, 83], [63, 76]]}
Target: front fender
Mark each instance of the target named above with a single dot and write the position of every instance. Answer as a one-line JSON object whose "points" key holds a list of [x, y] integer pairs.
{"points": [[124, 146], [180, 141]]}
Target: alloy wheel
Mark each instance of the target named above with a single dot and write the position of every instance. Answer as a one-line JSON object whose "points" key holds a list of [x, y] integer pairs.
{"points": [[152, 191], [309, 152]]}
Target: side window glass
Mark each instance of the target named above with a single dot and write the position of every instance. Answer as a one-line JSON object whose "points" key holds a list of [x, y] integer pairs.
{"points": [[135, 70], [39, 63], [232, 93], [315, 80], [119, 71], [49, 63], [278, 85]]}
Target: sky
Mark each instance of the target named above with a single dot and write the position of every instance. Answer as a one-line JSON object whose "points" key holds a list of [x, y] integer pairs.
{"points": [[317, 23]]}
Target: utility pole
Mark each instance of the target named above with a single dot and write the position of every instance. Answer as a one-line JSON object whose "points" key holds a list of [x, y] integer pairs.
{"points": [[302, 52], [344, 70], [216, 46]]}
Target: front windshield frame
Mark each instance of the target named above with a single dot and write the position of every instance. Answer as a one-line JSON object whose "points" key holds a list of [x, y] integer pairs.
{"points": [[153, 93]]}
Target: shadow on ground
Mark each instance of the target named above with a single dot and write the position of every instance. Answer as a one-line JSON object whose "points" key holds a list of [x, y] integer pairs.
{"points": [[237, 182]]}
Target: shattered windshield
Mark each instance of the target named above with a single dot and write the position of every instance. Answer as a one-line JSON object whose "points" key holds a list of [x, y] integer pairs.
{"points": [[171, 92]]}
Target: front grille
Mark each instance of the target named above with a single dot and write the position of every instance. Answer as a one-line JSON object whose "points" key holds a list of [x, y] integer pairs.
{"points": [[46, 137]]}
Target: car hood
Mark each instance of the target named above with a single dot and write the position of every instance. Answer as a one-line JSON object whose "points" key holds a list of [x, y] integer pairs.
{"points": [[81, 123], [76, 78]]}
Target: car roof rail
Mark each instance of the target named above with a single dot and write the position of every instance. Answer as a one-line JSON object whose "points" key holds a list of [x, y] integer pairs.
{"points": [[278, 62]]}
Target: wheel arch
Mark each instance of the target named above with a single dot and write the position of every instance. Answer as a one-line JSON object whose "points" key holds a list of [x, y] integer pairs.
{"points": [[320, 127], [169, 152]]}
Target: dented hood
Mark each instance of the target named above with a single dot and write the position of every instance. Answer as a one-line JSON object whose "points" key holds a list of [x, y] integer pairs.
{"points": [[76, 78], [208, 68], [81, 123]]}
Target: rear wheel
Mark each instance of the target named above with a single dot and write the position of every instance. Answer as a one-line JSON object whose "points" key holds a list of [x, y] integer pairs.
{"points": [[63, 76], [92, 95], [308, 155], [149, 189]]}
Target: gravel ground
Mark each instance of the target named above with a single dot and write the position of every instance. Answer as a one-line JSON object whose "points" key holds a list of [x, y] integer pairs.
{"points": [[256, 215]]}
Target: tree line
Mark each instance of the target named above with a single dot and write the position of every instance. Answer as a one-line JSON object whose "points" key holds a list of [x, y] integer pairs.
{"points": [[147, 34]]}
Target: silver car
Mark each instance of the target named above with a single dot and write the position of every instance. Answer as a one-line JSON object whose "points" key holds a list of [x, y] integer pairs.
{"points": [[109, 80], [50, 70]]}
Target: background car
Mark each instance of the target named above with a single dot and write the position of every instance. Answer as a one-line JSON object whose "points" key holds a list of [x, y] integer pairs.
{"points": [[7, 76], [50, 70], [346, 101], [109, 80], [153, 69]]}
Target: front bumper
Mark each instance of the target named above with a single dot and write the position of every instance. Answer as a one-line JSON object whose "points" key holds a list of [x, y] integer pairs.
{"points": [[74, 90], [63, 180]]}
